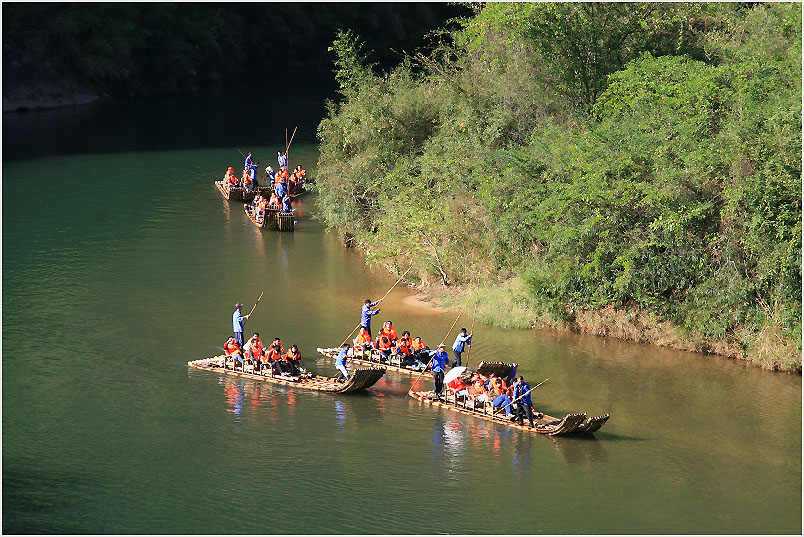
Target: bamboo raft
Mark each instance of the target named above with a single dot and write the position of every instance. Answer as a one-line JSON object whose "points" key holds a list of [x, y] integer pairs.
{"points": [[374, 358], [238, 193], [274, 218], [579, 423], [360, 379]]}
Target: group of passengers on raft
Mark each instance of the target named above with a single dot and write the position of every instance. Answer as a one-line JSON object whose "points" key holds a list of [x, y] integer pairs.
{"points": [[285, 184], [264, 360], [511, 395]]}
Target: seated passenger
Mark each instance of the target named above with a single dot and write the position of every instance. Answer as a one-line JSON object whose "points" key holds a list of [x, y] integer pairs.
{"points": [[501, 393], [274, 199], [385, 347], [388, 331], [233, 351], [458, 387], [274, 355], [294, 360], [255, 352], [363, 342], [420, 350]]}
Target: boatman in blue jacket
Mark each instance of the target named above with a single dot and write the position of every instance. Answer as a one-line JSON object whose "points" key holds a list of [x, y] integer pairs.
{"points": [[440, 361], [249, 160], [340, 361], [458, 346], [365, 316], [522, 388], [237, 322]]}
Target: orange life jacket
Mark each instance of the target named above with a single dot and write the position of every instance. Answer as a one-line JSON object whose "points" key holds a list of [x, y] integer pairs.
{"points": [[363, 337], [404, 345], [417, 344], [457, 384], [390, 333], [273, 354], [384, 345], [274, 199], [291, 356], [232, 347]]}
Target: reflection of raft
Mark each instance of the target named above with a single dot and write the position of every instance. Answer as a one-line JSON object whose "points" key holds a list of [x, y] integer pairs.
{"points": [[373, 359], [273, 219], [238, 193], [360, 379]]}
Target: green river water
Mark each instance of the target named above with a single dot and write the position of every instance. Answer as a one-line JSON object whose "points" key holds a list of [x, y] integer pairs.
{"points": [[121, 262]]}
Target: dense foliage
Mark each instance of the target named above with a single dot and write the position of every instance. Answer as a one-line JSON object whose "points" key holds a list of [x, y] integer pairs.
{"points": [[641, 156]]}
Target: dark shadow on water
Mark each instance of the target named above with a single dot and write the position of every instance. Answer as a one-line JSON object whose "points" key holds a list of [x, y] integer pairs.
{"points": [[39, 500], [222, 115]]}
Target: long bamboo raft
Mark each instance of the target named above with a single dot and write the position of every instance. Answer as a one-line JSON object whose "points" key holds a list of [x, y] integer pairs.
{"points": [[577, 423], [238, 193], [360, 379], [374, 358], [274, 218]]}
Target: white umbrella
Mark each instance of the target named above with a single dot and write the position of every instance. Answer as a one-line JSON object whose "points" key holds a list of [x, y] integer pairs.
{"points": [[454, 373]]}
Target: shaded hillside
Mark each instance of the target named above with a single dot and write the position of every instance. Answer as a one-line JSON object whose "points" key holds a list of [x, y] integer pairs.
{"points": [[77, 50]]}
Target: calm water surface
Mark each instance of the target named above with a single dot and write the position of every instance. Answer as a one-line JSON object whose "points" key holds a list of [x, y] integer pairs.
{"points": [[122, 262]]}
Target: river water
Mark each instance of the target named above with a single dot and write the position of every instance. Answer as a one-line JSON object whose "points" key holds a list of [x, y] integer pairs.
{"points": [[121, 262]]}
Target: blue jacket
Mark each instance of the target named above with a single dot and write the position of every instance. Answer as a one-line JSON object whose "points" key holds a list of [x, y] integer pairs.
{"points": [[280, 189], [365, 318], [341, 359], [248, 162], [440, 361], [286, 203], [252, 170], [237, 321], [519, 390], [460, 341]]}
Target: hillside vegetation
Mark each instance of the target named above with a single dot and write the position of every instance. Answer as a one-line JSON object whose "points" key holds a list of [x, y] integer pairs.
{"points": [[622, 169]]}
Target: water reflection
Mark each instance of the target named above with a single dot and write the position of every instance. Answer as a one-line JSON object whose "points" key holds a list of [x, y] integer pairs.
{"points": [[233, 394], [580, 450]]}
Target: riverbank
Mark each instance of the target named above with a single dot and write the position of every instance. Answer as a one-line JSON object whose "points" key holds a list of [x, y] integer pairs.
{"points": [[508, 305]]}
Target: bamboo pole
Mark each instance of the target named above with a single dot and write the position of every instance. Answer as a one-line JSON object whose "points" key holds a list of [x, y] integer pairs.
{"points": [[255, 305], [287, 145], [471, 331]]}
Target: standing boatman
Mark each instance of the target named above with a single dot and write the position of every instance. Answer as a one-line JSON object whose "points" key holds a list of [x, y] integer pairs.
{"points": [[522, 389], [238, 320], [458, 346], [340, 362], [249, 161], [440, 361], [365, 316]]}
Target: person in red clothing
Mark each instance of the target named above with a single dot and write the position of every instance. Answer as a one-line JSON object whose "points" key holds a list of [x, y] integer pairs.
{"points": [[389, 331], [233, 351]]}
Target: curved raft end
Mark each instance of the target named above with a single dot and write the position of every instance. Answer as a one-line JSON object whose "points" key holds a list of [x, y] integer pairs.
{"points": [[362, 378]]}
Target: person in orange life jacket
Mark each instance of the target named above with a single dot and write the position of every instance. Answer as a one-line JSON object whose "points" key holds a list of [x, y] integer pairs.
{"points": [[366, 314], [247, 182], [294, 360], [438, 367], [255, 351], [384, 346], [252, 172], [457, 347], [274, 199], [362, 341], [405, 350], [274, 355], [420, 350], [389, 331], [237, 322], [233, 350], [458, 387], [477, 390], [340, 361], [501, 397]]}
